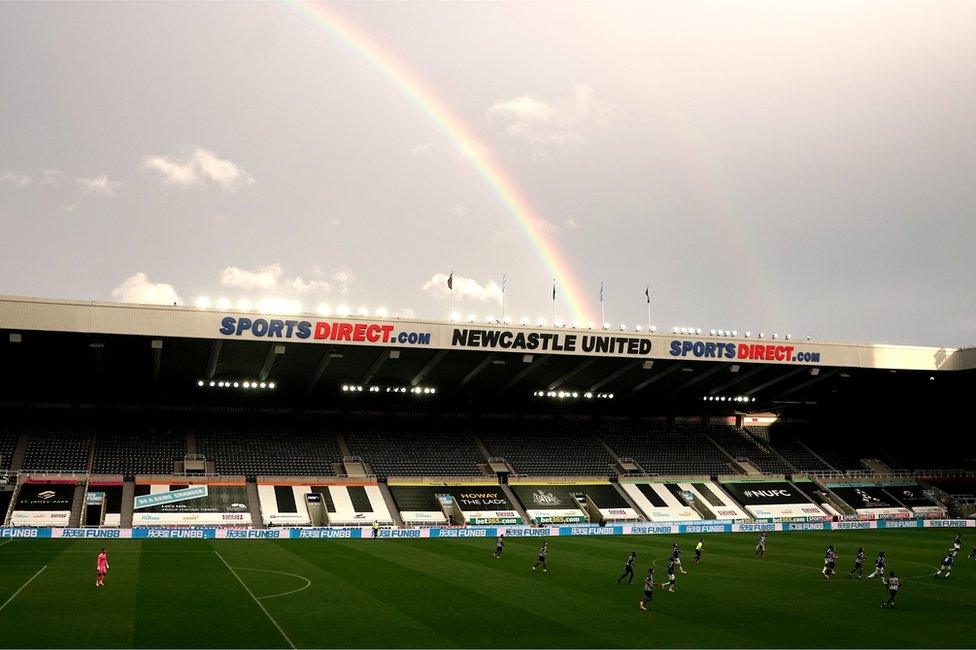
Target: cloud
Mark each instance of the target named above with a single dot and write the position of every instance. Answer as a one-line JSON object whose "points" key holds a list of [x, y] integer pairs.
{"points": [[343, 277], [270, 278], [560, 122], [421, 149], [13, 178], [547, 226], [52, 177], [572, 224], [464, 288], [459, 211], [263, 277], [139, 289], [198, 170], [98, 185]]}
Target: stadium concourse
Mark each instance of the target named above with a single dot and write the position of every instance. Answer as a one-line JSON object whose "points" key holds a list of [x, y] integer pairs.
{"points": [[133, 417]]}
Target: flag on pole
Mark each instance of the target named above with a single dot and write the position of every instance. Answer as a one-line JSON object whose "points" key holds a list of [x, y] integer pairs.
{"points": [[647, 294], [554, 289], [450, 281], [601, 292], [504, 281]]}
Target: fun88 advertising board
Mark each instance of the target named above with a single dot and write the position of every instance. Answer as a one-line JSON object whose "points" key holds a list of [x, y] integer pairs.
{"points": [[781, 352]]}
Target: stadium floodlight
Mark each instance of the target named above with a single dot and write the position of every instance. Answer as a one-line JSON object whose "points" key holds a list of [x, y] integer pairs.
{"points": [[674, 330], [588, 395], [490, 319], [244, 305], [271, 385], [455, 317], [345, 388], [606, 326], [343, 310], [653, 328], [762, 334], [382, 312], [541, 322], [472, 318], [623, 327], [637, 328], [575, 395], [236, 384], [712, 332], [558, 323], [223, 303], [507, 320], [610, 395], [324, 310], [524, 321], [789, 337], [698, 330], [748, 333], [200, 383], [362, 311], [202, 302]]}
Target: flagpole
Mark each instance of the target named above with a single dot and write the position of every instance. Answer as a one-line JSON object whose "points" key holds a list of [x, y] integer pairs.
{"points": [[603, 315], [554, 302], [647, 293], [450, 283], [504, 278]]}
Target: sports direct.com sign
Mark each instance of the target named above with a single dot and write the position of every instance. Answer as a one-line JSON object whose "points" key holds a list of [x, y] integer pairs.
{"points": [[741, 351]]}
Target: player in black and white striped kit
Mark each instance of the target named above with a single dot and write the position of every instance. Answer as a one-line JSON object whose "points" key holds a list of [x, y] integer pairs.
{"points": [[499, 546], [672, 578], [648, 589], [543, 558], [879, 566], [830, 562], [894, 583], [629, 568], [957, 542], [761, 545], [858, 564]]}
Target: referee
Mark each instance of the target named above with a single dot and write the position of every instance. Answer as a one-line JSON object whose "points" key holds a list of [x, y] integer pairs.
{"points": [[629, 568]]}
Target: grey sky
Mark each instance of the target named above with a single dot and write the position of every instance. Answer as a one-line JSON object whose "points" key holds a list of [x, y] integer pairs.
{"points": [[793, 167]]}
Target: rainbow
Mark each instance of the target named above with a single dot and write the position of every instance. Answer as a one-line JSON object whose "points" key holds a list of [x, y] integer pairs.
{"points": [[494, 176]]}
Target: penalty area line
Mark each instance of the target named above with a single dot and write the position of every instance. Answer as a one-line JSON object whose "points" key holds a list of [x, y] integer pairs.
{"points": [[254, 598], [23, 586]]}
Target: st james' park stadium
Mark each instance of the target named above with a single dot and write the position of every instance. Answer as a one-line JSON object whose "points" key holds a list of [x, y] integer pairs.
{"points": [[264, 480]]}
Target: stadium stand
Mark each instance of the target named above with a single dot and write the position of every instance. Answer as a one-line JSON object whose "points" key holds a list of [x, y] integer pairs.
{"points": [[557, 450], [270, 452], [132, 453], [782, 441], [662, 450], [63, 451], [417, 453], [738, 443], [8, 442]]}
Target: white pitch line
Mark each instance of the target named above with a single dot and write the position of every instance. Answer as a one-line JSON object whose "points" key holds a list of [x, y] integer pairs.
{"points": [[7, 542], [254, 598], [30, 580], [308, 583]]}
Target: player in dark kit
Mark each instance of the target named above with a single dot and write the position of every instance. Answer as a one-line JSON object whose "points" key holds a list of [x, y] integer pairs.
{"points": [[972, 553], [830, 562], [947, 561], [648, 589], [893, 585], [669, 585], [858, 564], [543, 558], [499, 546], [629, 568], [957, 542], [676, 557], [698, 550], [879, 566], [761, 545]]}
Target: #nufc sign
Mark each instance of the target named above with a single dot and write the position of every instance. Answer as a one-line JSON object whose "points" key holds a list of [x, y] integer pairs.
{"points": [[173, 496], [741, 351], [516, 340]]}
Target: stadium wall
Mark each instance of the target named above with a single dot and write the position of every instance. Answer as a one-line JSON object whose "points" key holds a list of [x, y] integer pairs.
{"points": [[365, 532]]}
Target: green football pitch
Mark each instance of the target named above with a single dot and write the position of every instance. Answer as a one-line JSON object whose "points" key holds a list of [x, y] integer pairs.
{"points": [[450, 593]]}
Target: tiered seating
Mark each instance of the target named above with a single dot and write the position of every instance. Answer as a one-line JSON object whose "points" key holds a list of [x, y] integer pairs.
{"points": [[738, 444], [682, 451], [137, 453], [403, 453], [58, 451], [552, 453], [787, 446], [841, 457], [272, 453], [8, 441]]}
